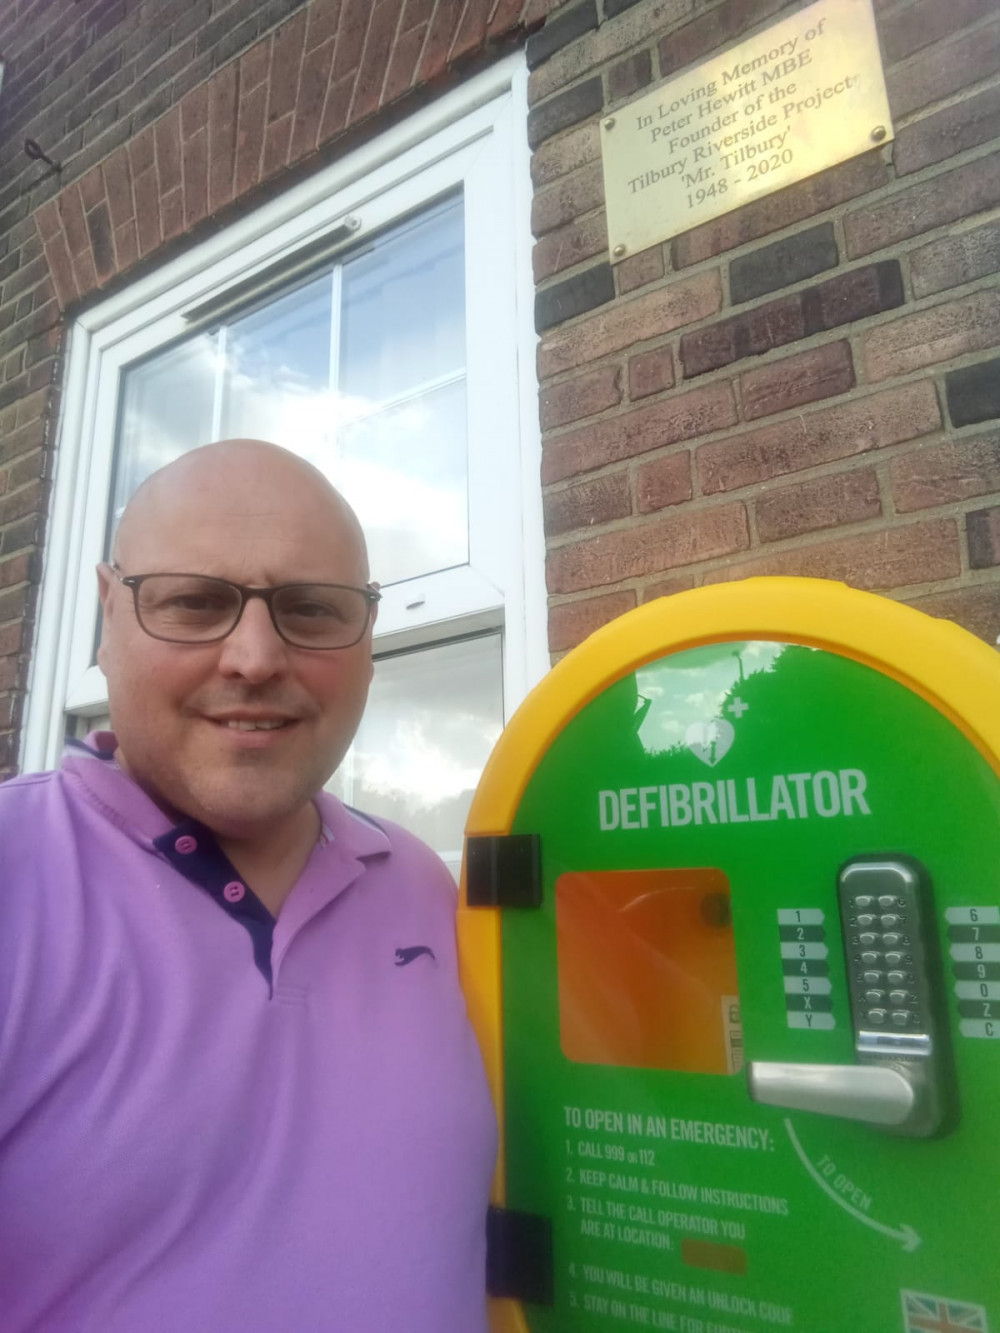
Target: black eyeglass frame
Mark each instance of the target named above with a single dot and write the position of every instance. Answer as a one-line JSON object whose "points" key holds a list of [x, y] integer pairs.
{"points": [[134, 582]]}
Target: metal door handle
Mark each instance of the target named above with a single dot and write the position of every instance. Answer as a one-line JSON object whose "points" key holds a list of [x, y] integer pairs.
{"points": [[878, 1094]]}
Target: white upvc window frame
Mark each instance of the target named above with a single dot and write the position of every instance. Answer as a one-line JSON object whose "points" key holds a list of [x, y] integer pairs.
{"points": [[474, 139]]}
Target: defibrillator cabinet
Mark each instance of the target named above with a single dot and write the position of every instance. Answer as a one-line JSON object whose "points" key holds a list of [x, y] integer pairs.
{"points": [[730, 937]]}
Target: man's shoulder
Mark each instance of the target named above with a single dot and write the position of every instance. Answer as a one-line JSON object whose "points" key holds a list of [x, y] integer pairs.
{"points": [[381, 841]]}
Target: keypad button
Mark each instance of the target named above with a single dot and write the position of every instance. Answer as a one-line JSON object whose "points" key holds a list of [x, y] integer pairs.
{"points": [[869, 959], [888, 900], [896, 978], [890, 920], [866, 920], [899, 998], [872, 978], [868, 939], [892, 939], [876, 1016], [863, 901], [894, 959], [900, 1018], [874, 996]]}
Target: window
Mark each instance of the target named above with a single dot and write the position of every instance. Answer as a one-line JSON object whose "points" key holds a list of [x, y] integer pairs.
{"points": [[369, 320]]}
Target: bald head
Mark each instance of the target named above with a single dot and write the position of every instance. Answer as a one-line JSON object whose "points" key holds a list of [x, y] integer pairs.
{"points": [[243, 477]]}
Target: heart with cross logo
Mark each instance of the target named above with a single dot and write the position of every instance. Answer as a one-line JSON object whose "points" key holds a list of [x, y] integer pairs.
{"points": [[710, 741]]}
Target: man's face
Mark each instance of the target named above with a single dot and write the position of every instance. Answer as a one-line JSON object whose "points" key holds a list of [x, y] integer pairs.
{"points": [[258, 521]]}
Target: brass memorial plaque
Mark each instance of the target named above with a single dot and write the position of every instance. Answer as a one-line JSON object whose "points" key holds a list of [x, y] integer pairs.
{"points": [[783, 105]]}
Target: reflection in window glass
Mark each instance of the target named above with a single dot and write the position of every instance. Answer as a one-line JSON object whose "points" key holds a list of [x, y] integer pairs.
{"points": [[166, 411], [368, 385], [278, 370], [433, 717]]}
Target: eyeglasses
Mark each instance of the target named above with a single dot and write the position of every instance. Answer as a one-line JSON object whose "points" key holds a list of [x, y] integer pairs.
{"points": [[191, 608]]}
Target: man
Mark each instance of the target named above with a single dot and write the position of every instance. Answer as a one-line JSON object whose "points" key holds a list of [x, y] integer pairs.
{"points": [[238, 1089]]}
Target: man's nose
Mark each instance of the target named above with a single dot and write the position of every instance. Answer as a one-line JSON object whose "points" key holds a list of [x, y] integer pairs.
{"points": [[254, 650]]}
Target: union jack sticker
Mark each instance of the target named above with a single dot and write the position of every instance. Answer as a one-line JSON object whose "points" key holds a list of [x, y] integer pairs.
{"points": [[935, 1314]]}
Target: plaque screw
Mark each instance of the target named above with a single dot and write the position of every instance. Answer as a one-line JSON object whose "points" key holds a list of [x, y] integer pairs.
{"points": [[619, 250], [609, 124], [878, 133]]}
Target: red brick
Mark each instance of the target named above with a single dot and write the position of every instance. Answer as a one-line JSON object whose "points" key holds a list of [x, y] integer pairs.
{"points": [[925, 23], [983, 532], [668, 587], [172, 214], [10, 674], [472, 31], [565, 153], [650, 372], [194, 111], [102, 241], [403, 64], [588, 502], [249, 139], [73, 220], [286, 59], [277, 142], [629, 75], [943, 70], [945, 472], [809, 439], [61, 269], [804, 200], [11, 638], [167, 135], [640, 269], [142, 151], [324, 16], [653, 426], [147, 211], [504, 17], [713, 30], [630, 322], [126, 246], [952, 196], [824, 502], [749, 334], [354, 18], [86, 273], [254, 67], [335, 108], [582, 396], [18, 504], [13, 604], [372, 65], [570, 245], [887, 558], [976, 608], [28, 436], [969, 123], [118, 187], [934, 335], [222, 104], [571, 196], [663, 482], [48, 221], [91, 189], [954, 260], [821, 372], [680, 538], [195, 159], [312, 92], [571, 622]]}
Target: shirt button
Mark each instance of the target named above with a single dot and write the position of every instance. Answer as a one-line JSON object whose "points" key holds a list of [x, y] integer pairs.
{"points": [[234, 891], [185, 844]]}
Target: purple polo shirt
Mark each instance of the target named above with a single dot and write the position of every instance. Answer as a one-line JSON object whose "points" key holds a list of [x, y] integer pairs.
{"points": [[216, 1122]]}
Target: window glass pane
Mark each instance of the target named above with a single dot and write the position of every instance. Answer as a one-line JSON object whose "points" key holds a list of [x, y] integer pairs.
{"points": [[404, 470], [403, 322], [166, 410], [278, 371], [401, 453], [433, 717]]}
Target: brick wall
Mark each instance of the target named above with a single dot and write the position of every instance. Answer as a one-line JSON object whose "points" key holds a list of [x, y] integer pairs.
{"points": [[807, 385], [169, 117]]}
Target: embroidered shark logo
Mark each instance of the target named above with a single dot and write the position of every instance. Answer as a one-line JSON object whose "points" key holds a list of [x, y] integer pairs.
{"points": [[404, 956]]}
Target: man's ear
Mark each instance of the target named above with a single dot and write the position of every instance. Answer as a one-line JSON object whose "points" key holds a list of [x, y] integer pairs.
{"points": [[105, 579]]}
